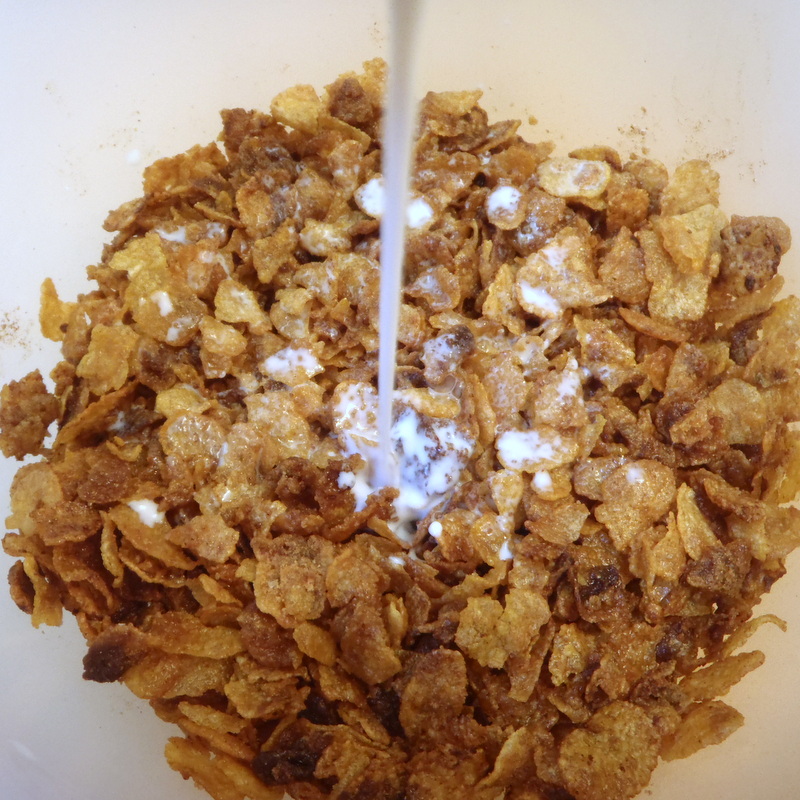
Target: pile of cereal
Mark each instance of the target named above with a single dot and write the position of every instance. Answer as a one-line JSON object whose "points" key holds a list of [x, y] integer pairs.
{"points": [[596, 385]]}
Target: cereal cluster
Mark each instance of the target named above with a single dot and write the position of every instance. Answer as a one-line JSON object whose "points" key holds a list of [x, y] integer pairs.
{"points": [[596, 385]]}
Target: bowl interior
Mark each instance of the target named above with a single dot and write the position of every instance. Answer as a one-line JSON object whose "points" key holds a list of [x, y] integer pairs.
{"points": [[100, 90]]}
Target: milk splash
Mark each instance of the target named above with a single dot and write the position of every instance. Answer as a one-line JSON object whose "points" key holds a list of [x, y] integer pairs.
{"points": [[427, 454]]}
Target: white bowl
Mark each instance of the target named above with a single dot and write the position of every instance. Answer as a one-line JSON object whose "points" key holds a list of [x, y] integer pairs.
{"points": [[94, 91]]}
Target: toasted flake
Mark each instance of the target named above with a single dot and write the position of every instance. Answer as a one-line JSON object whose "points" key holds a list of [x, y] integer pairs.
{"points": [[298, 107], [695, 532], [674, 295], [290, 578], [106, 365], [707, 723], [436, 690], [559, 275], [716, 679], [207, 537], [693, 184], [535, 449], [574, 177], [613, 756], [54, 314], [635, 495], [693, 238], [734, 411], [504, 207]]}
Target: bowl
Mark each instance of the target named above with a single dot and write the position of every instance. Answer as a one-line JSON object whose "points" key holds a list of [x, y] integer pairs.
{"points": [[96, 91]]}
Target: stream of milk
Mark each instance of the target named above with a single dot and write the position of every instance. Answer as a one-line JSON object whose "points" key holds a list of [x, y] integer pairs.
{"points": [[399, 119], [420, 456]]}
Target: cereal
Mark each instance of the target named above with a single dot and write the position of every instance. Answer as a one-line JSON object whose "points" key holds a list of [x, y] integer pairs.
{"points": [[705, 724], [593, 436], [574, 178], [612, 756], [26, 413]]}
